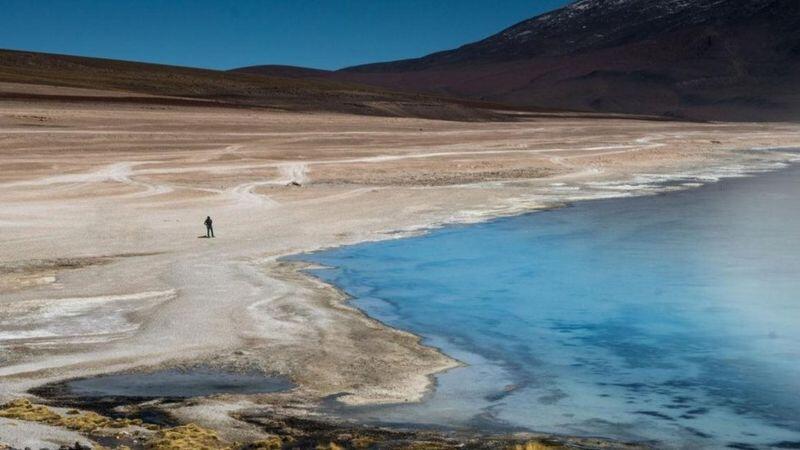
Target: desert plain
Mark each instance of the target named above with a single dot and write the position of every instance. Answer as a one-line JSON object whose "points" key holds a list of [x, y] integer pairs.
{"points": [[104, 266]]}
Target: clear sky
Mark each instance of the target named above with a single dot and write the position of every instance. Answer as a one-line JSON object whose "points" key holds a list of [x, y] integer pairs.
{"points": [[327, 34]]}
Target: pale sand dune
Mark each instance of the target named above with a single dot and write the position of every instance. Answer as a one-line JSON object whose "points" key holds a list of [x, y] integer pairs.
{"points": [[95, 181]]}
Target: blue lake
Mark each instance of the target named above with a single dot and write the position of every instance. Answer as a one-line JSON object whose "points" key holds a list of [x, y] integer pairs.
{"points": [[672, 318]]}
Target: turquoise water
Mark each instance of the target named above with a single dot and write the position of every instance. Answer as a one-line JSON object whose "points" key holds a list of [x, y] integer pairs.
{"points": [[672, 318]]}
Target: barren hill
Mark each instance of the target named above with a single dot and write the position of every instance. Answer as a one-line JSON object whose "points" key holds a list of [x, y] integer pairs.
{"points": [[701, 59], [124, 81]]}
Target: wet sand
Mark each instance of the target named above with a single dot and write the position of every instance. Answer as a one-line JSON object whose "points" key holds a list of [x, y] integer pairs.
{"points": [[102, 270]]}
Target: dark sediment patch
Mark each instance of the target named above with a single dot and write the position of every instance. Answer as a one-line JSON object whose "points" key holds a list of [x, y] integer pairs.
{"points": [[175, 383], [300, 431], [138, 395], [673, 406], [309, 433], [741, 446], [143, 408], [698, 433], [655, 414]]}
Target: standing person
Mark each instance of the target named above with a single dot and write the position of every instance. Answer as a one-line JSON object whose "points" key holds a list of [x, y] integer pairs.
{"points": [[209, 228]]}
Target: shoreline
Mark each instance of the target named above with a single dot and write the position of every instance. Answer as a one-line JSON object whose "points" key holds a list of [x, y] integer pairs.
{"points": [[296, 271], [221, 301], [750, 172], [297, 265], [288, 270]]}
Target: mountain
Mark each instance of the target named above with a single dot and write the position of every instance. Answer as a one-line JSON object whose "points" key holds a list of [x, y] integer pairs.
{"points": [[133, 82], [700, 59]]}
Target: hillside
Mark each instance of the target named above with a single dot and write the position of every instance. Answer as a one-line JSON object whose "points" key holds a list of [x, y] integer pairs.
{"points": [[701, 59], [152, 83]]}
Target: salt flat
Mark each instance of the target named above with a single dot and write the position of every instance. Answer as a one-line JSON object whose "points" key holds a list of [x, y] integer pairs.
{"points": [[101, 206]]}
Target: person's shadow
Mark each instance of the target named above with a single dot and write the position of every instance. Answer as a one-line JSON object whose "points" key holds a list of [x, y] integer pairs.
{"points": [[203, 237]]}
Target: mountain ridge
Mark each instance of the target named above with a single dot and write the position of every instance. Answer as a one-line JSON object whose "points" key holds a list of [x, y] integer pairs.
{"points": [[702, 59], [146, 83]]}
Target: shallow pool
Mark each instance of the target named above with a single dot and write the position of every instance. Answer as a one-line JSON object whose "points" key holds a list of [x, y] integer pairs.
{"points": [[174, 383]]}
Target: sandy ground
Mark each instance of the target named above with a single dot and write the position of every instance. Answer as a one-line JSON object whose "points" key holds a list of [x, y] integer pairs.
{"points": [[101, 267]]}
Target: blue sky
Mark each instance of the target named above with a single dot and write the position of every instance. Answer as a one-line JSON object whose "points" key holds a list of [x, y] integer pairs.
{"points": [[327, 34]]}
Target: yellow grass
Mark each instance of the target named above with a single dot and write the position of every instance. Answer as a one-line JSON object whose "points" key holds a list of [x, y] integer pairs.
{"points": [[330, 446], [23, 409], [186, 437]]}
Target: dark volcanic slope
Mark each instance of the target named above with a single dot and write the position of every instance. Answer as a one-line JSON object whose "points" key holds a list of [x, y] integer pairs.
{"points": [[153, 83], [707, 59]]}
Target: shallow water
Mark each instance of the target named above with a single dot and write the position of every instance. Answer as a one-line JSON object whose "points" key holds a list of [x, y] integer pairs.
{"points": [[176, 383], [672, 318]]}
